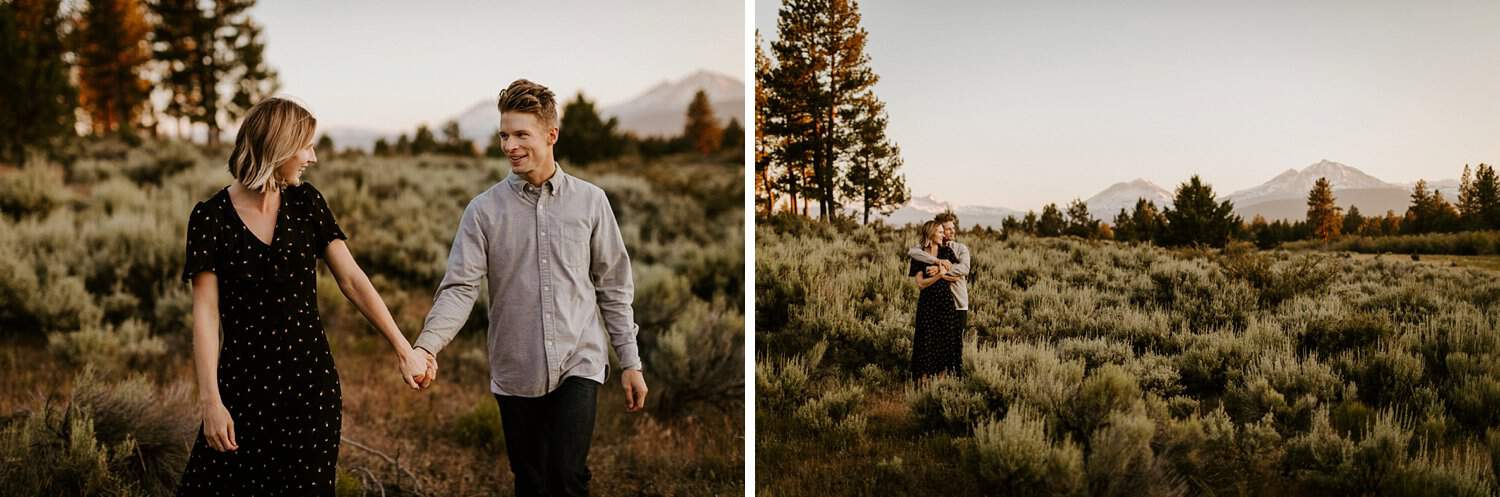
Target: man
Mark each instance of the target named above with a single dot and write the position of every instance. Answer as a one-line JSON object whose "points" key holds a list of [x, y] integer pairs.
{"points": [[956, 273], [560, 280]]}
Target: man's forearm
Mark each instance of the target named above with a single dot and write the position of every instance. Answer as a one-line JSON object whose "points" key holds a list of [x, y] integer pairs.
{"points": [[920, 255], [450, 310], [962, 267]]}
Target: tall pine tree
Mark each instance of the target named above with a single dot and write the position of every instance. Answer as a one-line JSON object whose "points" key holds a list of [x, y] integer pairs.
{"points": [[1486, 197], [204, 49], [36, 95], [873, 180], [586, 137], [1322, 215]]}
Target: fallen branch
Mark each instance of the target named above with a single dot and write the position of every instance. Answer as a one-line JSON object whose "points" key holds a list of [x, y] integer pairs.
{"points": [[393, 462]]}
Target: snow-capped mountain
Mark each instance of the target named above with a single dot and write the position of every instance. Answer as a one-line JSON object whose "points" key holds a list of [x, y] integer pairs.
{"points": [[922, 209], [1106, 204], [662, 109], [1295, 184], [659, 111]]}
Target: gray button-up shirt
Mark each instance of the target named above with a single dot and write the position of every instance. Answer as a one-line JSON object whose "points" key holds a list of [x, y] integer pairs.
{"points": [[559, 278]]}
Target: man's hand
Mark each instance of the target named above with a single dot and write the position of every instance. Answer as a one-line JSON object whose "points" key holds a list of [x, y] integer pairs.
{"points": [[933, 270], [415, 368], [635, 389], [952, 278]]}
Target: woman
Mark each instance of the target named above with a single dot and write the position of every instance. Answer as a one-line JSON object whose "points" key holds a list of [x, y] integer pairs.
{"points": [[270, 396], [937, 346]]}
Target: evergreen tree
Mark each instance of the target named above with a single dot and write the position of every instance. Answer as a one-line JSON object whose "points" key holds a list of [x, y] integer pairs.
{"points": [[1486, 197], [112, 53], [204, 49], [35, 94], [765, 143], [1146, 221], [1010, 226], [873, 179], [1322, 214], [423, 142], [1051, 222], [454, 142], [403, 145], [1124, 228], [734, 135], [1197, 217], [1468, 209], [586, 137], [702, 128], [1080, 223], [1354, 222], [496, 148], [382, 148], [1029, 223], [821, 71], [324, 147]]}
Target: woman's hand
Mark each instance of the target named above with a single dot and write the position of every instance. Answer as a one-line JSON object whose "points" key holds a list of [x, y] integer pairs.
{"points": [[418, 369], [218, 428]]}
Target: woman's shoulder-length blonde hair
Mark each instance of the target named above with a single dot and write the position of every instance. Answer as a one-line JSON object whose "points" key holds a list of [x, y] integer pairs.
{"points": [[273, 131], [924, 234]]}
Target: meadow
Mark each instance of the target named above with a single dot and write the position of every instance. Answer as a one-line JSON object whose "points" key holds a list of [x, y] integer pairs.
{"points": [[1098, 368], [96, 396]]}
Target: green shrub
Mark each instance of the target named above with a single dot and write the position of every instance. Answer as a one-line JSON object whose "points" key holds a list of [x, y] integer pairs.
{"points": [[782, 384], [1122, 463], [836, 412], [699, 360], [33, 191], [946, 403], [110, 348], [1015, 454], [480, 427], [1106, 390]]}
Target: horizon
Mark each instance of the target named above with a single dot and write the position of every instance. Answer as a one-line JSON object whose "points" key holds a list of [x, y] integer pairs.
{"points": [[1062, 101]]}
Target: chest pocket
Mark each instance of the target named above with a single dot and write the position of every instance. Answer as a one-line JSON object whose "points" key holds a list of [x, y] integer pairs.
{"points": [[575, 243]]}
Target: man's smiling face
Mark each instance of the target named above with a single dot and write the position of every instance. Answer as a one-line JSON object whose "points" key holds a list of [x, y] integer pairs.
{"points": [[527, 141]]}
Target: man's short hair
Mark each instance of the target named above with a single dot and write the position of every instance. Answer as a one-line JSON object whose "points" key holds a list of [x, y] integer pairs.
{"points": [[531, 98], [944, 217]]}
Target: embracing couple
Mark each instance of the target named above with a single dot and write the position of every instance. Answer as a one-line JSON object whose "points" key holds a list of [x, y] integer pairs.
{"points": [[560, 291], [940, 265]]}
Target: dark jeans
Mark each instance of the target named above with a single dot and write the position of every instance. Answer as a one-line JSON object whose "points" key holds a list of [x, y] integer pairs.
{"points": [[548, 438]]}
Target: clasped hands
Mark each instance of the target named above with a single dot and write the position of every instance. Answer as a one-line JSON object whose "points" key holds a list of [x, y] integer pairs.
{"points": [[943, 268], [418, 368]]}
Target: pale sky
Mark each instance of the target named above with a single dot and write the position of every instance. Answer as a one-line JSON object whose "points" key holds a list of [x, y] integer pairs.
{"points": [[1020, 103], [389, 65]]}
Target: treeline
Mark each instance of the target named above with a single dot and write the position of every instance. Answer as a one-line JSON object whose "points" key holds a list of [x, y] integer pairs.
{"points": [[820, 135], [587, 137], [1197, 217], [95, 66]]}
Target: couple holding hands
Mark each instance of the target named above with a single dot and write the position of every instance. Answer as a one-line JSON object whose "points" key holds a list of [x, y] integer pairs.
{"points": [[560, 292]]}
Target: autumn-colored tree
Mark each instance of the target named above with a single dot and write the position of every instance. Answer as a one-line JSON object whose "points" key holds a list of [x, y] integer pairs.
{"points": [[702, 128], [1322, 214], [765, 143], [36, 96], [112, 52]]}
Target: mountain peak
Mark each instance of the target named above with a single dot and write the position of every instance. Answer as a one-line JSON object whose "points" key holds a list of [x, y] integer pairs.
{"points": [[1293, 183]]}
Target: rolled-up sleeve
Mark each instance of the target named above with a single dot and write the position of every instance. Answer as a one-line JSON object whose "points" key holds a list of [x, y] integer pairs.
{"points": [[614, 285], [468, 264]]}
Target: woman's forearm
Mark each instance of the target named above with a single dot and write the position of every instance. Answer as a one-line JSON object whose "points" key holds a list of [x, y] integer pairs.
{"points": [[367, 299], [923, 281], [206, 338]]}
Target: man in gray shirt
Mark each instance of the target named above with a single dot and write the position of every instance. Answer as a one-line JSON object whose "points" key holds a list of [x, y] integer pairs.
{"points": [[560, 297]]}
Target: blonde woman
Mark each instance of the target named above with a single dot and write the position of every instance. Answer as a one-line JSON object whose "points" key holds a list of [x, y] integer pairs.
{"points": [[937, 345], [269, 392]]}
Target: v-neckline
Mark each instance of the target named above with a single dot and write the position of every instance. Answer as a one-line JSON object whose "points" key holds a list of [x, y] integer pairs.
{"points": [[275, 226]]}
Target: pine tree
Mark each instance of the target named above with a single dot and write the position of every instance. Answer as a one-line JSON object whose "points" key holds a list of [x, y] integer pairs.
{"points": [[423, 142], [496, 147], [1468, 209], [702, 128], [821, 70], [1486, 197], [1419, 214], [454, 142], [873, 180], [1124, 229], [35, 94], [1051, 222], [112, 53], [1197, 217], [734, 135], [586, 137], [202, 51], [324, 147], [403, 145], [1029, 223], [1080, 223], [382, 148], [1147, 221], [765, 143], [1322, 214], [1354, 222]]}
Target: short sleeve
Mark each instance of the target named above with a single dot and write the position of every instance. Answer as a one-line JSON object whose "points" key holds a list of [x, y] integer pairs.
{"points": [[202, 242], [325, 227], [916, 267]]}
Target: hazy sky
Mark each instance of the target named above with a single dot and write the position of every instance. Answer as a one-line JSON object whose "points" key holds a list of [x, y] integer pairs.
{"points": [[1017, 104], [389, 65]]}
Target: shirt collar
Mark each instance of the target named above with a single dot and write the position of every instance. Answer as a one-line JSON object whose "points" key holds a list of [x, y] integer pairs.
{"points": [[553, 185]]}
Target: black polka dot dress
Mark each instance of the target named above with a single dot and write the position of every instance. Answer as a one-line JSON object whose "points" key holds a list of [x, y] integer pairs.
{"points": [[937, 346], [276, 375]]}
